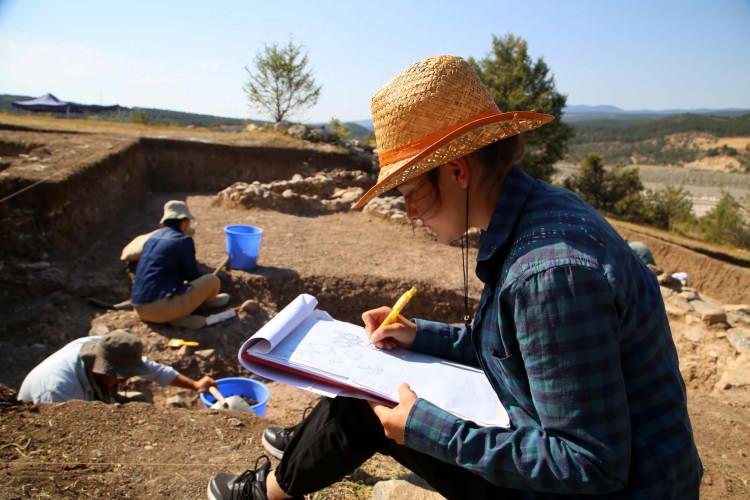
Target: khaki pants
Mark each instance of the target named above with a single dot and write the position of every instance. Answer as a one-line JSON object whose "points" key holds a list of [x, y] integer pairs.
{"points": [[178, 306]]}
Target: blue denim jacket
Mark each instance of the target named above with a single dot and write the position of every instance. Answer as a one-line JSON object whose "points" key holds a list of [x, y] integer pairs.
{"points": [[572, 334], [167, 262]]}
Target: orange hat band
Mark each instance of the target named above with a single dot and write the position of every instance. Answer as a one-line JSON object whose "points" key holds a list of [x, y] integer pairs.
{"points": [[412, 148]]}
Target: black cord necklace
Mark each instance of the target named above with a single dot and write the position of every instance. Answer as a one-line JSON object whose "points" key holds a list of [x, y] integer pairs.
{"points": [[465, 266]]}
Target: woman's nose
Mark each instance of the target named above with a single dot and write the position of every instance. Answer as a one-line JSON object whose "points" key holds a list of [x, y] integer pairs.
{"points": [[411, 213]]}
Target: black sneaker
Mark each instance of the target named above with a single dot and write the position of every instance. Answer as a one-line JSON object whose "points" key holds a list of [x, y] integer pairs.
{"points": [[276, 439], [250, 485]]}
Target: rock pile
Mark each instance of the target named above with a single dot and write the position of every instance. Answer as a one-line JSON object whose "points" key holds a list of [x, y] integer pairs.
{"points": [[323, 192], [390, 208], [327, 135], [714, 339]]}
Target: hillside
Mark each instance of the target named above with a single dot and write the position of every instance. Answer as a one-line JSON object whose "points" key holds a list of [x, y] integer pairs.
{"points": [[700, 141]]}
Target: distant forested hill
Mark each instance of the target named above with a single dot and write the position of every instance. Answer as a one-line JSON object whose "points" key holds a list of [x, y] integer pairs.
{"points": [[616, 130], [677, 139]]}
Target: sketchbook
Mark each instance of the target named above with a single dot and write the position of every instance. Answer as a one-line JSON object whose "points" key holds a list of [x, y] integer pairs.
{"points": [[305, 347]]}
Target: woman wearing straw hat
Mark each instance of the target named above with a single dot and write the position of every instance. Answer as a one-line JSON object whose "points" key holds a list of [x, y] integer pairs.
{"points": [[570, 329]]}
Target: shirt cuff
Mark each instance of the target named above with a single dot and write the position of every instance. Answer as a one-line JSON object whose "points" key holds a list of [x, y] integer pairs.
{"points": [[429, 429], [432, 337]]}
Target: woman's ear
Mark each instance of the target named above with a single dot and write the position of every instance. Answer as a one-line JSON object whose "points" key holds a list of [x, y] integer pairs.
{"points": [[460, 172]]}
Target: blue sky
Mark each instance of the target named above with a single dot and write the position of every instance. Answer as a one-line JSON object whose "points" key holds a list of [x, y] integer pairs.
{"points": [[189, 55]]}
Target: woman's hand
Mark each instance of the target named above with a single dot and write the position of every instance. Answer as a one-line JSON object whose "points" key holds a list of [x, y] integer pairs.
{"points": [[398, 334], [394, 419]]}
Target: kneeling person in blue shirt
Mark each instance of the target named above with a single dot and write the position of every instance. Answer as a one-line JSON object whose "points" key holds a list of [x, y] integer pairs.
{"points": [[90, 368], [168, 287]]}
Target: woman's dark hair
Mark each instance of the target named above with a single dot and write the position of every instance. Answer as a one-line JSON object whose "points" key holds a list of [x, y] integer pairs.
{"points": [[495, 158], [500, 155], [173, 223]]}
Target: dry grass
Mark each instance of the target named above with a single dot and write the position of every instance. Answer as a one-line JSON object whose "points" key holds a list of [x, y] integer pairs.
{"points": [[260, 137]]}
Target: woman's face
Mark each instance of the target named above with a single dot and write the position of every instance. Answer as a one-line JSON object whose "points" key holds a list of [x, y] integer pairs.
{"points": [[438, 199]]}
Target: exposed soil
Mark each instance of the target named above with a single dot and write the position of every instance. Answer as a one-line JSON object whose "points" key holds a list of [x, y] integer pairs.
{"points": [[350, 261]]}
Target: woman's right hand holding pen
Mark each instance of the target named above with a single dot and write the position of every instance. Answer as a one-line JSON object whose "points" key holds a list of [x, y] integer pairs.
{"points": [[401, 333]]}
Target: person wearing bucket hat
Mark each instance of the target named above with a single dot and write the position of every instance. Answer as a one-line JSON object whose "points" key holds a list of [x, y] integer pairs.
{"points": [[570, 329], [90, 368], [168, 287]]}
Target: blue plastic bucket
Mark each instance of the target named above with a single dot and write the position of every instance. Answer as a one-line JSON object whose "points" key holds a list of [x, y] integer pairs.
{"points": [[243, 244], [240, 386]]}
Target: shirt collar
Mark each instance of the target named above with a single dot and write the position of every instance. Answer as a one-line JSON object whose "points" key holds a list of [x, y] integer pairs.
{"points": [[513, 196]]}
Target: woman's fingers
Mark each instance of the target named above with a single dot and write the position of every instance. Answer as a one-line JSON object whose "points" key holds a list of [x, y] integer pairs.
{"points": [[397, 332], [374, 317], [390, 336]]}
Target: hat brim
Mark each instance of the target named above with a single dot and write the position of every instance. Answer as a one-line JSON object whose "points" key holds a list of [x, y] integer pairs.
{"points": [[455, 144], [104, 367]]}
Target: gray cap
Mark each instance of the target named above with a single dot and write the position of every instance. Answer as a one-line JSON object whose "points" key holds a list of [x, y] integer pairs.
{"points": [[117, 354], [176, 209]]}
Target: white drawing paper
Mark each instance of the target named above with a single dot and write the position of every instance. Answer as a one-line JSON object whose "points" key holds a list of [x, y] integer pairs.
{"points": [[341, 352]]}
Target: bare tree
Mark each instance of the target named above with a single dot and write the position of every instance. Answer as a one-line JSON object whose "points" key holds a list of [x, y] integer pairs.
{"points": [[281, 83]]}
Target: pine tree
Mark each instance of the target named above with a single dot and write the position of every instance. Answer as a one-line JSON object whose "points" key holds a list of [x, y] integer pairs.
{"points": [[518, 83]]}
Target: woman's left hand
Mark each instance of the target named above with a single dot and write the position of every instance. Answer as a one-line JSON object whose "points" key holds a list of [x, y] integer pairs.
{"points": [[394, 419]]}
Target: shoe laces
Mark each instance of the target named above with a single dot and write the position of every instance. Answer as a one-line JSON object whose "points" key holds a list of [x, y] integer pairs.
{"points": [[247, 479], [288, 431]]}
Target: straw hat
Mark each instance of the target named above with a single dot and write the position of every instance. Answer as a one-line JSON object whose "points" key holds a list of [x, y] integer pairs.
{"points": [[434, 112]]}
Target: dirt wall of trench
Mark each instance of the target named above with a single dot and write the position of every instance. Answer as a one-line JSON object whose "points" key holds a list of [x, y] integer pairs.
{"points": [[719, 280], [58, 217], [192, 166]]}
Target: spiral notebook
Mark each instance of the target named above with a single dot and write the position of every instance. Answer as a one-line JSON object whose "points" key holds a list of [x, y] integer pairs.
{"points": [[305, 347]]}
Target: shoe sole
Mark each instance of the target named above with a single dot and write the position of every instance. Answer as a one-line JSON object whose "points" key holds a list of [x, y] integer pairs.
{"points": [[271, 449], [210, 493]]}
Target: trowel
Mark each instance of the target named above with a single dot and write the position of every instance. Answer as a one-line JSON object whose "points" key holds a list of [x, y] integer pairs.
{"points": [[235, 403]]}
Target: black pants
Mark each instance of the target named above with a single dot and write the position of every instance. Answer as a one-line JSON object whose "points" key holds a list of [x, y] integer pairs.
{"points": [[342, 433]]}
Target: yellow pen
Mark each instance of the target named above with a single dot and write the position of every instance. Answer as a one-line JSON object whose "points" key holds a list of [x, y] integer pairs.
{"points": [[399, 306]]}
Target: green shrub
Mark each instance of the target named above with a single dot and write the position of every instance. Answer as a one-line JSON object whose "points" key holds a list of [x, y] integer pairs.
{"points": [[339, 129], [605, 189], [725, 223], [667, 207], [139, 116]]}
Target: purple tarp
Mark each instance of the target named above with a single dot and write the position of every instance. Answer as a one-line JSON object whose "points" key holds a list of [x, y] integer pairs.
{"points": [[51, 104]]}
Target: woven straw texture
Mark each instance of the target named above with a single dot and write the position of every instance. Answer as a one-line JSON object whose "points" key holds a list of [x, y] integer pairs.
{"points": [[436, 100]]}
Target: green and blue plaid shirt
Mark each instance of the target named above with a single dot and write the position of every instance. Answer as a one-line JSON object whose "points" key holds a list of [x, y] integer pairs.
{"points": [[572, 334]]}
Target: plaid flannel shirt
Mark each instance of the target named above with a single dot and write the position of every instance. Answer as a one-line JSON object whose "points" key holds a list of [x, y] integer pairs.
{"points": [[572, 334]]}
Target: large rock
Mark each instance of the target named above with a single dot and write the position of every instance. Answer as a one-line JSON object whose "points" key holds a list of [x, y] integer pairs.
{"points": [[387, 207], [740, 340], [736, 374], [298, 130], [709, 314], [738, 313], [695, 333], [398, 489], [677, 307]]}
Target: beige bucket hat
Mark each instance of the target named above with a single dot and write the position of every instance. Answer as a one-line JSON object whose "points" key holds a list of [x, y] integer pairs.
{"points": [[116, 354], [176, 209], [434, 112]]}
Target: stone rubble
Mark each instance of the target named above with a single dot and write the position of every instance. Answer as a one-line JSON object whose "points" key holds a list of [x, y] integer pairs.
{"points": [[720, 332], [323, 192]]}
